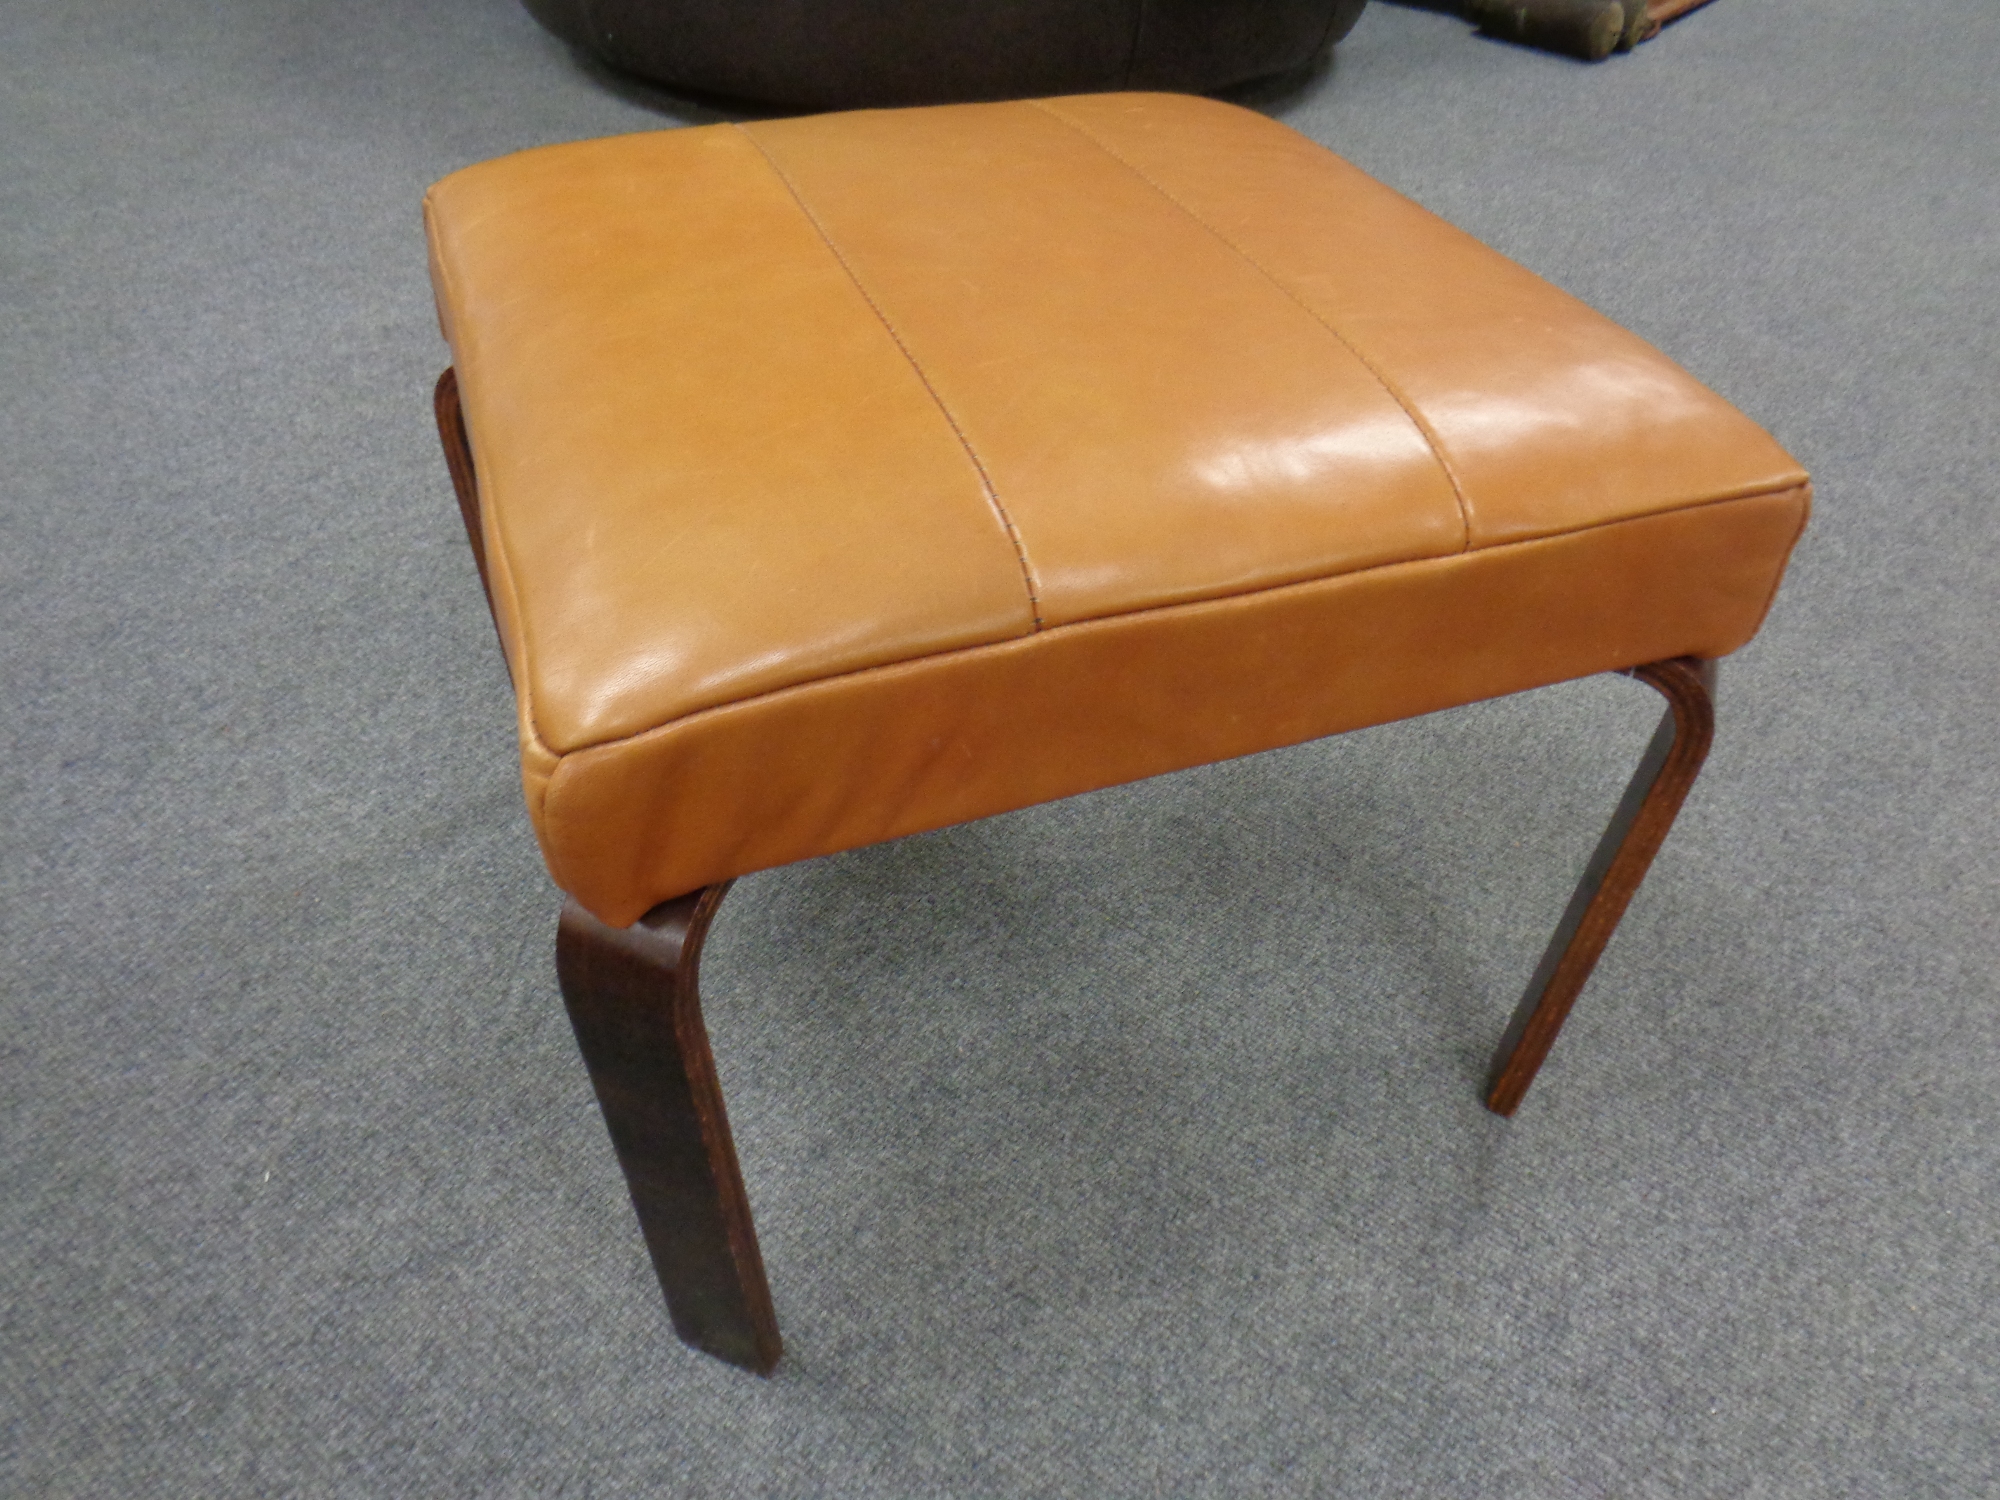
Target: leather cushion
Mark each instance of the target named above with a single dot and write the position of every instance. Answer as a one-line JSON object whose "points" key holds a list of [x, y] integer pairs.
{"points": [[848, 476]]}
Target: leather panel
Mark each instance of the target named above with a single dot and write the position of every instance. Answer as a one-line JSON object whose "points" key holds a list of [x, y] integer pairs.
{"points": [[1160, 422], [840, 54], [828, 53], [1549, 415], [706, 469], [1188, 44]]}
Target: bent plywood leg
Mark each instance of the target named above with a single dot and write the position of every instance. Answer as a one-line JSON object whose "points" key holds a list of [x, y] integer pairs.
{"points": [[464, 478], [634, 1001], [1637, 830]]}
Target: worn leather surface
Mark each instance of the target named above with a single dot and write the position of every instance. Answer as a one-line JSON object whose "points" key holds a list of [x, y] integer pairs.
{"points": [[842, 53], [848, 476]]}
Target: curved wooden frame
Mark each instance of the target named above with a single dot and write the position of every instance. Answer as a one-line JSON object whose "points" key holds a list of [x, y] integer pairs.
{"points": [[1637, 829], [634, 1001]]}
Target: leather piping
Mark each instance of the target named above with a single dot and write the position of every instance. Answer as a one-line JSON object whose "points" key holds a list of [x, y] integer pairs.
{"points": [[1804, 489]]}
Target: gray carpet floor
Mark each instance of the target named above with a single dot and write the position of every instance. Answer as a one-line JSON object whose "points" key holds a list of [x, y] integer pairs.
{"points": [[1129, 1146]]}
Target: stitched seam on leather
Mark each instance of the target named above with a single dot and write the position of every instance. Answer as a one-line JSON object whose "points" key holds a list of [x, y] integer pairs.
{"points": [[677, 722], [985, 479], [1417, 419], [1138, 30]]}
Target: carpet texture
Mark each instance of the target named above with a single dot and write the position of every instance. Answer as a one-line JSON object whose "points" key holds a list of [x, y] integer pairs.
{"points": [[1129, 1146]]}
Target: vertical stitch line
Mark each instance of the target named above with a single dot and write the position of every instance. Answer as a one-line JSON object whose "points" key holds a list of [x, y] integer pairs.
{"points": [[1417, 418], [985, 479], [1139, 8]]}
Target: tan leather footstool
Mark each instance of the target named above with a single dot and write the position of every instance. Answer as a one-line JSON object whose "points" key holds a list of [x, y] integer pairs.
{"points": [[844, 477]]}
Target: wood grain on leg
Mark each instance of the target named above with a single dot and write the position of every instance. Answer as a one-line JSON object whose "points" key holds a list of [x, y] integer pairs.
{"points": [[464, 478], [1637, 830], [634, 1000]]}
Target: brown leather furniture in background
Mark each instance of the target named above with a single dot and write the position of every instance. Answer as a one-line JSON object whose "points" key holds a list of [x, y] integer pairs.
{"points": [[829, 54]]}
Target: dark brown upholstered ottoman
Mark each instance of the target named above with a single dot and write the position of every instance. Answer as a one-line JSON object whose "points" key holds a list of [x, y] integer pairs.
{"points": [[839, 478], [837, 54]]}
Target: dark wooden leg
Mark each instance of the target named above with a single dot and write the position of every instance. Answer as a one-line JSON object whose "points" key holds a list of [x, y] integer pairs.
{"points": [[464, 478], [634, 1001], [1637, 830]]}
